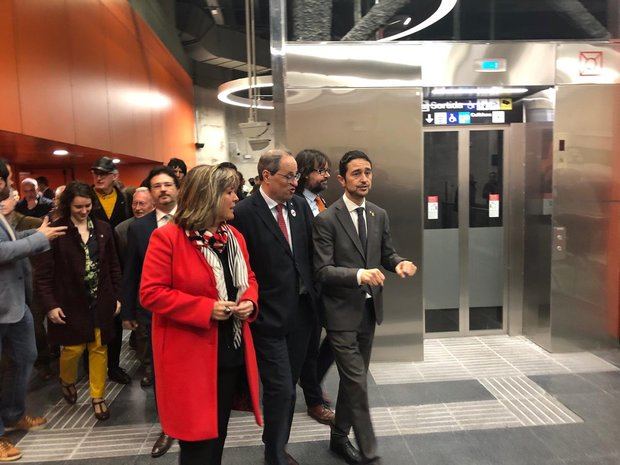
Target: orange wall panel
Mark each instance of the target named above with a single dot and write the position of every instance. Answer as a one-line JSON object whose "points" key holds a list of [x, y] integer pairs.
{"points": [[88, 74], [10, 113], [43, 63]]}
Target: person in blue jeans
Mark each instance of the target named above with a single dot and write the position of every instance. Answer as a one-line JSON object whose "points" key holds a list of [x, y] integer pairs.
{"points": [[16, 322]]}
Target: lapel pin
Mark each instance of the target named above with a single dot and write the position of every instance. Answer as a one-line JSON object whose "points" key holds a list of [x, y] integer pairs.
{"points": [[294, 213], [372, 213]]}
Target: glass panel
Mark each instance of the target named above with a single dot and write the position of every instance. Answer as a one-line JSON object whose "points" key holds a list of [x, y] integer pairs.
{"points": [[486, 234], [442, 320], [485, 178], [440, 180], [441, 235]]}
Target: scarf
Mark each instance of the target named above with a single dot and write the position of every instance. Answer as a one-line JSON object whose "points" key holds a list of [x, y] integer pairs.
{"points": [[210, 244]]}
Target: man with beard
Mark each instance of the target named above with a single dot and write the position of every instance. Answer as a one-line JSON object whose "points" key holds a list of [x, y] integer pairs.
{"points": [[111, 205], [351, 240], [313, 166], [164, 190], [16, 324]]}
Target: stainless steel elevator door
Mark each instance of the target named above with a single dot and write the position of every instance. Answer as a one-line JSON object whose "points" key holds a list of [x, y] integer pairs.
{"points": [[464, 285]]}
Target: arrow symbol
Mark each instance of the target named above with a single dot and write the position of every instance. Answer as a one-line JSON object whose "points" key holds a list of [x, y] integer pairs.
{"points": [[429, 119]]}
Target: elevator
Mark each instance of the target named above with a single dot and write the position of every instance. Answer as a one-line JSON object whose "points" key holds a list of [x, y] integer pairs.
{"points": [[513, 222]]}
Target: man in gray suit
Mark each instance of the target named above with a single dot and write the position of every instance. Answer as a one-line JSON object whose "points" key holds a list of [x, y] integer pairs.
{"points": [[351, 240], [16, 323]]}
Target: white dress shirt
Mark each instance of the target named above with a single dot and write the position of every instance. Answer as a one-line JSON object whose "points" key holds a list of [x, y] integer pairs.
{"points": [[272, 208], [311, 199], [351, 206], [164, 218]]}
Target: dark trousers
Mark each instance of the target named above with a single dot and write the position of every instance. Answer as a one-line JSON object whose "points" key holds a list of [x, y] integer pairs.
{"points": [[18, 338], [209, 452], [280, 359], [319, 359], [144, 347], [114, 346], [352, 350]]}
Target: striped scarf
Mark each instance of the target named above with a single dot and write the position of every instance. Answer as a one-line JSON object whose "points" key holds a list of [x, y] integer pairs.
{"points": [[208, 243]]}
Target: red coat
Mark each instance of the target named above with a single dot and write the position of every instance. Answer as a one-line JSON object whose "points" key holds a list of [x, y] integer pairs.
{"points": [[178, 286]]}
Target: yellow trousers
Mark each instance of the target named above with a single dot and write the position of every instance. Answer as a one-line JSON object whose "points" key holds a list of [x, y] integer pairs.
{"points": [[97, 364]]}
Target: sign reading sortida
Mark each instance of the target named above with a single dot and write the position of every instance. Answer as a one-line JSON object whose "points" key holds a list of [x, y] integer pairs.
{"points": [[470, 111]]}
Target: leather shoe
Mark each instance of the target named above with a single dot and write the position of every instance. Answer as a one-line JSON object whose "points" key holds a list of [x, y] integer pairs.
{"points": [[321, 414], [346, 451], [161, 446], [118, 375], [146, 381]]}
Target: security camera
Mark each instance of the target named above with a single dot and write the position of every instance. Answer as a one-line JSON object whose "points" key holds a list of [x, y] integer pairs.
{"points": [[199, 145]]}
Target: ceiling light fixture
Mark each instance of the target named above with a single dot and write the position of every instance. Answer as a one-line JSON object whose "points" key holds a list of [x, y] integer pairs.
{"points": [[227, 90], [477, 91], [444, 8], [116, 161], [407, 21], [60, 152]]}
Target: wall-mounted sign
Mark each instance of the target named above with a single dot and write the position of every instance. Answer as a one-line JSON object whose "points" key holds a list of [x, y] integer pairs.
{"points": [[590, 63], [493, 205], [433, 207], [471, 111], [490, 65]]}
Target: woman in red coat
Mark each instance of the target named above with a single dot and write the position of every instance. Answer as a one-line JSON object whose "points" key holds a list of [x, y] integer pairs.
{"points": [[198, 283]]}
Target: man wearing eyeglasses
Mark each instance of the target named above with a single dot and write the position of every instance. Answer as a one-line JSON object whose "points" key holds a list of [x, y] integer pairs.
{"points": [[313, 167], [111, 205], [277, 226]]}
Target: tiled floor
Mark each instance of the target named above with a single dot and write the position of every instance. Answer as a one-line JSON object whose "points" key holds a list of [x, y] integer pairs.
{"points": [[482, 400]]}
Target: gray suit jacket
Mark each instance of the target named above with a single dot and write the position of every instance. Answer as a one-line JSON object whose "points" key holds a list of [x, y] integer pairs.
{"points": [[338, 255], [15, 271]]}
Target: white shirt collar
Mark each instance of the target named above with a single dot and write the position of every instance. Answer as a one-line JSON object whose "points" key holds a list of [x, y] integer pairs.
{"points": [[160, 214], [351, 206], [311, 196], [270, 202]]}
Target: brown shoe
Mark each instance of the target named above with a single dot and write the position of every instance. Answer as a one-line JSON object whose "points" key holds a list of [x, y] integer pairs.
{"points": [[8, 452], [27, 423], [321, 414], [100, 409]]}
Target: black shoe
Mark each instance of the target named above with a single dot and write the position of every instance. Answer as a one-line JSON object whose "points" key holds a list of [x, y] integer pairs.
{"points": [[146, 381], [161, 446], [118, 375], [346, 451]]}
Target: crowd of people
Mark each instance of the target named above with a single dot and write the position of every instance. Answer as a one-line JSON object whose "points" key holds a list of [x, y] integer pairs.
{"points": [[222, 293]]}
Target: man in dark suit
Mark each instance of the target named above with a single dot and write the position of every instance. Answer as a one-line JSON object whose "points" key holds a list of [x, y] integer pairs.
{"points": [[111, 205], [313, 167], [351, 239], [163, 186], [277, 227]]}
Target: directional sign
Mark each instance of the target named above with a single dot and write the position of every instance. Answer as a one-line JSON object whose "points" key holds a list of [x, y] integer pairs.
{"points": [[470, 111]]}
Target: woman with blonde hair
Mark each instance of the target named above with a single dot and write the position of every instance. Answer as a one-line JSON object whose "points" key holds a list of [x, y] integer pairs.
{"points": [[198, 283]]}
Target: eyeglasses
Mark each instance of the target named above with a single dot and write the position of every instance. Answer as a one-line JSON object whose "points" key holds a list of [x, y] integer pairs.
{"points": [[323, 171], [290, 177], [167, 185]]}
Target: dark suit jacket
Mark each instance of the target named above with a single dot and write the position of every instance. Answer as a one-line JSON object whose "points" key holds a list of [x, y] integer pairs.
{"points": [[338, 255], [138, 236], [122, 209], [278, 270], [59, 281]]}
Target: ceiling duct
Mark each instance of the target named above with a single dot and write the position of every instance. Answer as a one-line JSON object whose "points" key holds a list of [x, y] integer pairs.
{"points": [[208, 42]]}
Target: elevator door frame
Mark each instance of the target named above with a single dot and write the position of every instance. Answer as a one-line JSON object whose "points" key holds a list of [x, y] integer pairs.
{"points": [[463, 220]]}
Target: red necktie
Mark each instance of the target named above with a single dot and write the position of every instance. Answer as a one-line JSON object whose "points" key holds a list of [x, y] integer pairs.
{"points": [[320, 203], [281, 222]]}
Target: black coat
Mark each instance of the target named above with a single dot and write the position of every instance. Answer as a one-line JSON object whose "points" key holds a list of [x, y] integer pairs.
{"points": [[122, 209], [138, 236], [59, 280], [278, 270]]}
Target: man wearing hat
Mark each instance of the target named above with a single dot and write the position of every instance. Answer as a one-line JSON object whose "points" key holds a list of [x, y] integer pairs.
{"points": [[110, 204]]}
